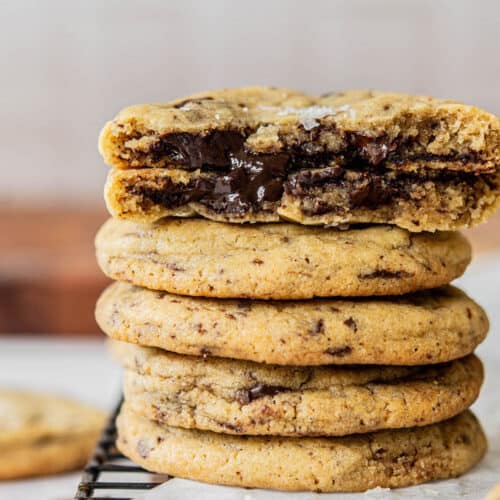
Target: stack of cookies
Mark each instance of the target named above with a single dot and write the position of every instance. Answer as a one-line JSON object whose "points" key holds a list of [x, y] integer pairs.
{"points": [[282, 305]]}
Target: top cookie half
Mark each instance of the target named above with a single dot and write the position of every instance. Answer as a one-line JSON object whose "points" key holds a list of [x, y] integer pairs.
{"points": [[263, 154]]}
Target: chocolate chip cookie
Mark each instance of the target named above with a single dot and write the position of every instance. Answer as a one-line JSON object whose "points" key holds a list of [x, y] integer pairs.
{"points": [[425, 328], [390, 459], [265, 154], [43, 434], [238, 397], [277, 261]]}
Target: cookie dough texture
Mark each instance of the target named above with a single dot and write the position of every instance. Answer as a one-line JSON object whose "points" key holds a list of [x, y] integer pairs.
{"points": [[424, 328], [43, 434], [390, 459], [277, 261], [237, 397], [266, 154]]}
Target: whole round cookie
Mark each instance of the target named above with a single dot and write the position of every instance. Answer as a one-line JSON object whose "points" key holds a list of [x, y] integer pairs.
{"points": [[360, 462], [428, 327], [43, 434], [239, 397], [277, 261]]}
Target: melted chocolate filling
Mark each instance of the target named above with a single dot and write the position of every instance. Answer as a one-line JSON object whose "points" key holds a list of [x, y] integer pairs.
{"points": [[366, 189], [241, 190], [363, 188], [244, 181], [225, 150]]}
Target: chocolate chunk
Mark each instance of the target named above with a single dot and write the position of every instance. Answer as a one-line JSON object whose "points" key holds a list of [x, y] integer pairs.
{"points": [[244, 305], [300, 183], [175, 268], [192, 101], [195, 151], [319, 327], [245, 396], [373, 150], [339, 351], [385, 274], [171, 195], [202, 331], [369, 191], [349, 322], [235, 428], [464, 438]]}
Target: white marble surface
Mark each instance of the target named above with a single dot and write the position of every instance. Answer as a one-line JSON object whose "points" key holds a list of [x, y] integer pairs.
{"points": [[81, 369]]}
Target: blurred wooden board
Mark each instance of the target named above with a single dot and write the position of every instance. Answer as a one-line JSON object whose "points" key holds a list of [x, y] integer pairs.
{"points": [[49, 279]]}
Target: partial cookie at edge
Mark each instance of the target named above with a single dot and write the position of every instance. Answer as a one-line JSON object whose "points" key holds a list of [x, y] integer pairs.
{"points": [[44, 434]]}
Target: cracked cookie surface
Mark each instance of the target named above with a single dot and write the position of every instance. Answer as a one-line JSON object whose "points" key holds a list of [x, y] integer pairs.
{"points": [[424, 328], [389, 459], [43, 434], [277, 261], [244, 398], [265, 154]]}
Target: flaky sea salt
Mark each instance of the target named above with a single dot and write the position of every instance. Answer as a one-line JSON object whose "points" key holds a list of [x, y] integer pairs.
{"points": [[308, 116], [345, 108]]}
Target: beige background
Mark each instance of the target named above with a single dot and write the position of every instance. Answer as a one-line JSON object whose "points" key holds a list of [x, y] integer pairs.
{"points": [[67, 66]]}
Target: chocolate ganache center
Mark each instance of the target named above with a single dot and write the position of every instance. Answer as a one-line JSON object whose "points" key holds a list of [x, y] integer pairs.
{"points": [[244, 181], [219, 149], [236, 181]]}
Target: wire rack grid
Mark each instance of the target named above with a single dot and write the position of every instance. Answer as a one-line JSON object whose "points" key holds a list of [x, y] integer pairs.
{"points": [[107, 474]]}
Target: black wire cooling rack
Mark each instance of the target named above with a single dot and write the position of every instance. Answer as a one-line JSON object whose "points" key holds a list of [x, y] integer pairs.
{"points": [[105, 474]]}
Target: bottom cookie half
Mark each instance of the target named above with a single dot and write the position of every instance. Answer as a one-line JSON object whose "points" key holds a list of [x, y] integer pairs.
{"points": [[352, 463]]}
